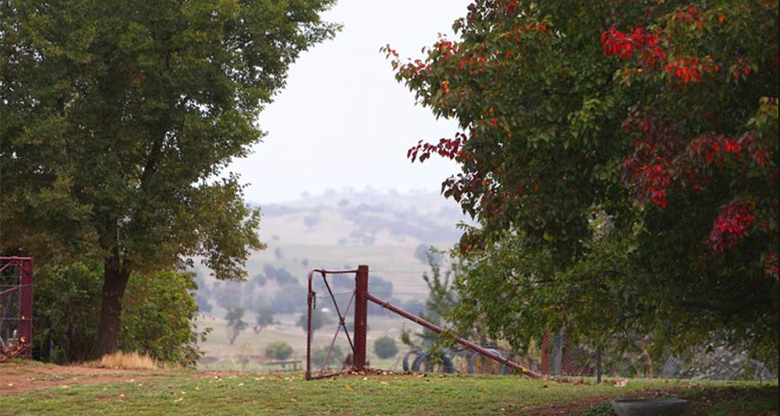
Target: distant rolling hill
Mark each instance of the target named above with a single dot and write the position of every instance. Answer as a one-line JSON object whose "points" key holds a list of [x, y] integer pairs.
{"points": [[365, 218], [389, 232], [337, 230]]}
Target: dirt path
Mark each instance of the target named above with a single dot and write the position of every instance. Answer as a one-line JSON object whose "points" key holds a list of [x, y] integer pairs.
{"points": [[16, 378]]}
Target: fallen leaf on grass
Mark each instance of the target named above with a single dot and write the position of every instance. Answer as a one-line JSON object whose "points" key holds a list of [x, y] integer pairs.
{"points": [[621, 383], [347, 388]]}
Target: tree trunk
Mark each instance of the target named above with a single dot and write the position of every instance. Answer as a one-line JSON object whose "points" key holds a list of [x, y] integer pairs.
{"points": [[115, 278]]}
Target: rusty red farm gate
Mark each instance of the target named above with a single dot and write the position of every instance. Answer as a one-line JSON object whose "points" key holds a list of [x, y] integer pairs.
{"points": [[350, 334]]}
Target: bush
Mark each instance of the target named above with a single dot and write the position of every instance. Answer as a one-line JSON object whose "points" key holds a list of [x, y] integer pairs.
{"points": [[66, 312], [278, 350], [336, 357], [265, 317], [385, 347], [318, 320], [291, 299], [157, 316]]}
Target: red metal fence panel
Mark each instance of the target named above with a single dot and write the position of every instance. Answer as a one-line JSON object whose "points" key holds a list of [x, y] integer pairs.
{"points": [[16, 307]]}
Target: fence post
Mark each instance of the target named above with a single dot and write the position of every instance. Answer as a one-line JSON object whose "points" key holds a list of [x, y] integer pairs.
{"points": [[26, 305], [361, 316], [545, 355]]}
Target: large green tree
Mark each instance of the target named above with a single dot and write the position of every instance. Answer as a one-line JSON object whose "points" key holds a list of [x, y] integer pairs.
{"points": [[118, 119], [620, 157]]}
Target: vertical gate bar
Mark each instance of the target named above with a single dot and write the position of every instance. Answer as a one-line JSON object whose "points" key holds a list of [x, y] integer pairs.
{"points": [[361, 316], [310, 301], [25, 326]]}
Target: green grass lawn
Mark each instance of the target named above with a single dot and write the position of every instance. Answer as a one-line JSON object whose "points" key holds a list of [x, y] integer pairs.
{"points": [[207, 393]]}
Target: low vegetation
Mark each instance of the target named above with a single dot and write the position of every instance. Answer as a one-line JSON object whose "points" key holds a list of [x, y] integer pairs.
{"points": [[131, 361]]}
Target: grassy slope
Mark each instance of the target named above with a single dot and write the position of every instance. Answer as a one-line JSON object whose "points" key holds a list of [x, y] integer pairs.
{"points": [[195, 393]]}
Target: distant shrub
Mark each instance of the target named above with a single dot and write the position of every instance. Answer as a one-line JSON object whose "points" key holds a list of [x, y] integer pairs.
{"points": [[278, 350], [380, 286], [336, 358], [282, 276], [385, 347], [291, 299], [311, 220], [265, 317], [318, 320], [342, 281]]}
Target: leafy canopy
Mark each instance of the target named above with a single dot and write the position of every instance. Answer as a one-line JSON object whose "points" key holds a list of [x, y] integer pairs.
{"points": [[118, 115], [119, 119], [620, 158]]}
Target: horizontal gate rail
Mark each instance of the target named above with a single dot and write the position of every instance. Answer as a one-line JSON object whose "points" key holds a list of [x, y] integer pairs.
{"points": [[468, 344]]}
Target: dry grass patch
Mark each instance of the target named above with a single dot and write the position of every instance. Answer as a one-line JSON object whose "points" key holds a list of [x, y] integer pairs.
{"points": [[128, 361]]}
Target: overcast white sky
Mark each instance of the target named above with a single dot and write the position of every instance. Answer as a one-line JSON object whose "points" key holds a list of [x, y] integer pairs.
{"points": [[343, 121]]}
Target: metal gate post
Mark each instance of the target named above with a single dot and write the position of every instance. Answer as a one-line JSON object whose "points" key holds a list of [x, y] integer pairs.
{"points": [[26, 305], [361, 316], [309, 306]]}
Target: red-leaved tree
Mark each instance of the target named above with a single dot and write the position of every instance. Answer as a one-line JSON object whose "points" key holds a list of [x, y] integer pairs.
{"points": [[621, 159]]}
